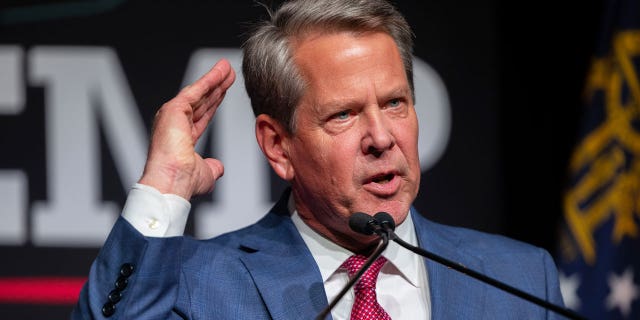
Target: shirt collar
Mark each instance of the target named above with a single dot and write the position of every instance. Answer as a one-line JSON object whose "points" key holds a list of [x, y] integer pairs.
{"points": [[330, 256]]}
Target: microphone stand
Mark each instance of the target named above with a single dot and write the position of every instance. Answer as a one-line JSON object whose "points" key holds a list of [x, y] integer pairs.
{"points": [[384, 242], [460, 268]]}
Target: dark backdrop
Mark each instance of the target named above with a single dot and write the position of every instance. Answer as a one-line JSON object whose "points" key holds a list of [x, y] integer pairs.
{"points": [[514, 73]]}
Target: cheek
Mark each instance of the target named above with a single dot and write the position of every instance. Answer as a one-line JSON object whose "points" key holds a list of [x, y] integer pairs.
{"points": [[323, 157], [338, 162], [407, 141], [339, 158], [410, 136], [328, 160]]}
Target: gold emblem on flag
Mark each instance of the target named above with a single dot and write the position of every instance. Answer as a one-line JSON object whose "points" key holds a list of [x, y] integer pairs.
{"points": [[607, 161]]}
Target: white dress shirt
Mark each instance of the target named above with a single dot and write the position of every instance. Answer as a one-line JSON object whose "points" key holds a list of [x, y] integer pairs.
{"points": [[402, 287]]}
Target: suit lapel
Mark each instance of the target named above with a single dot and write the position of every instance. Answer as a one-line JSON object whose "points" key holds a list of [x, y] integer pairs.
{"points": [[282, 268], [449, 287], [290, 283]]}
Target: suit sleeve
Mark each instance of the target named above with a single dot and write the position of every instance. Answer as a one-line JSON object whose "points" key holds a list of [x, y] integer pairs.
{"points": [[133, 277]]}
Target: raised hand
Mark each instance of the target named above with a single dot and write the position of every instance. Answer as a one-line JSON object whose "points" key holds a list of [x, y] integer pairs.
{"points": [[173, 166]]}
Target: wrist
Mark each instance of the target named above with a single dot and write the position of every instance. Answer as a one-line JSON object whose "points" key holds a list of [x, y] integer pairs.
{"points": [[168, 182]]}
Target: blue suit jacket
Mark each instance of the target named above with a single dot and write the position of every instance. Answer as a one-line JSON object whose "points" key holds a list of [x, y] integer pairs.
{"points": [[265, 271]]}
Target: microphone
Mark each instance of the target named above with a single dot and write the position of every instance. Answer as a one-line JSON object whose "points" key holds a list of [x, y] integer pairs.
{"points": [[364, 224], [385, 221]]}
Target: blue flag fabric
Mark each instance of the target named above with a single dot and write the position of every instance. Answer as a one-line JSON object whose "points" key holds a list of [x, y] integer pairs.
{"points": [[599, 254]]}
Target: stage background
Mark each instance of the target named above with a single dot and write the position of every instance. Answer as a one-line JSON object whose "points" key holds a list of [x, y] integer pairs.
{"points": [[513, 74]]}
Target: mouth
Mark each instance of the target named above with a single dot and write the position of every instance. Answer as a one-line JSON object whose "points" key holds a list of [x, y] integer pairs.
{"points": [[383, 184], [383, 178]]}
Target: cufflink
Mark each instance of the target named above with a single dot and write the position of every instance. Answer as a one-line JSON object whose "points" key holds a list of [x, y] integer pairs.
{"points": [[154, 224]]}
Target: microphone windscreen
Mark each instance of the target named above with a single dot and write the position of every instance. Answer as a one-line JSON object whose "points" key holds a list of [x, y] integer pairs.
{"points": [[359, 222], [385, 219]]}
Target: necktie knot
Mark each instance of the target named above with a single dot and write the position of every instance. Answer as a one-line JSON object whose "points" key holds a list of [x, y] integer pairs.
{"points": [[366, 305], [370, 277]]}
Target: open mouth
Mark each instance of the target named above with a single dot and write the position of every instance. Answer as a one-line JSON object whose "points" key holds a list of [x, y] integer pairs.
{"points": [[384, 185], [382, 179]]}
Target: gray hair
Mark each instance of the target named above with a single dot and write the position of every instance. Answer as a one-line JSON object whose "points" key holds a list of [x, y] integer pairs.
{"points": [[271, 76]]}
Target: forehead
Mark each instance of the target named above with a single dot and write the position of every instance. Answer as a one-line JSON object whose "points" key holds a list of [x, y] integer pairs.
{"points": [[343, 63]]}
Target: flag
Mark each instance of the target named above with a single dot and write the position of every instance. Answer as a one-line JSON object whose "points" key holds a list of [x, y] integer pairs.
{"points": [[599, 252]]}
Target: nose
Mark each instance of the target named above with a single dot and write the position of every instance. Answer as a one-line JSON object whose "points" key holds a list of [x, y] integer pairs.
{"points": [[378, 136]]}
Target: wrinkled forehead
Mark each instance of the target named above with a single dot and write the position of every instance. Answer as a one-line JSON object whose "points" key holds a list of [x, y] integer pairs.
{"points": [[307, 33], [342, 69]]}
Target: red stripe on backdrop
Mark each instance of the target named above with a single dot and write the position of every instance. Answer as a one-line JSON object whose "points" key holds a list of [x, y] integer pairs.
{"points": [[41, 290]]}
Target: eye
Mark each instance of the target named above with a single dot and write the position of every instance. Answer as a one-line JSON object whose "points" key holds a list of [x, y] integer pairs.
{"points": [[342, 115], [393, 103]]}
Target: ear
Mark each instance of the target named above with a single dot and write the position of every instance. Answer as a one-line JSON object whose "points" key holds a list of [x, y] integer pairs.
{"points": [[274, 140]]}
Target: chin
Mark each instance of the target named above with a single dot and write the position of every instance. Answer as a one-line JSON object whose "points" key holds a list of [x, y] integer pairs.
{"points": [[396, 208], [400, 217], [360, 243]]}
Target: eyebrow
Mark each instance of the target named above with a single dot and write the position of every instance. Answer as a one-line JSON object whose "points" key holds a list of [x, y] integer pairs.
{"points": [[404, 91], [345, 102]]}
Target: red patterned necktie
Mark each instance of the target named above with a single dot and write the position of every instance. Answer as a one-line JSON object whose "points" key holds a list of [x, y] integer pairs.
{"points": [[366, 306]]}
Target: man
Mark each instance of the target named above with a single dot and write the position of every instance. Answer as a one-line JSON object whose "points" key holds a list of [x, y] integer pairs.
{"points": [[330, 83]]}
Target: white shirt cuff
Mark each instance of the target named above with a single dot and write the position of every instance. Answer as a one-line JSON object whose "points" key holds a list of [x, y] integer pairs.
{"points": [[155, 214]]}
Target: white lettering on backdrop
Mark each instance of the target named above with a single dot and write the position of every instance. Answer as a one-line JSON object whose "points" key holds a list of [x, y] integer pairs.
{"points": [[13, 183], [86, 86]]}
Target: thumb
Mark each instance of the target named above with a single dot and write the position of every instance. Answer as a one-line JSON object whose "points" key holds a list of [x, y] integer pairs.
{"points": [[217, 170], [216, 167]]}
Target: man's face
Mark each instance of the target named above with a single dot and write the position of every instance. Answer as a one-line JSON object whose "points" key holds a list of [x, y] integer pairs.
{"points": [[355, 144]]}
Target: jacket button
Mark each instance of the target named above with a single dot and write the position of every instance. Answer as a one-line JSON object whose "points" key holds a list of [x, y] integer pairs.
{"points": [[121, 283], [126, 270], [108, 309], [115, 296]]}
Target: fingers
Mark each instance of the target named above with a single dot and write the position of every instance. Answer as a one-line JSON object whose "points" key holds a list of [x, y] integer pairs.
{"points": [[214, 78], [204, 118], [207, 93], [214, 97], [210, 86], [172, 165]]}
